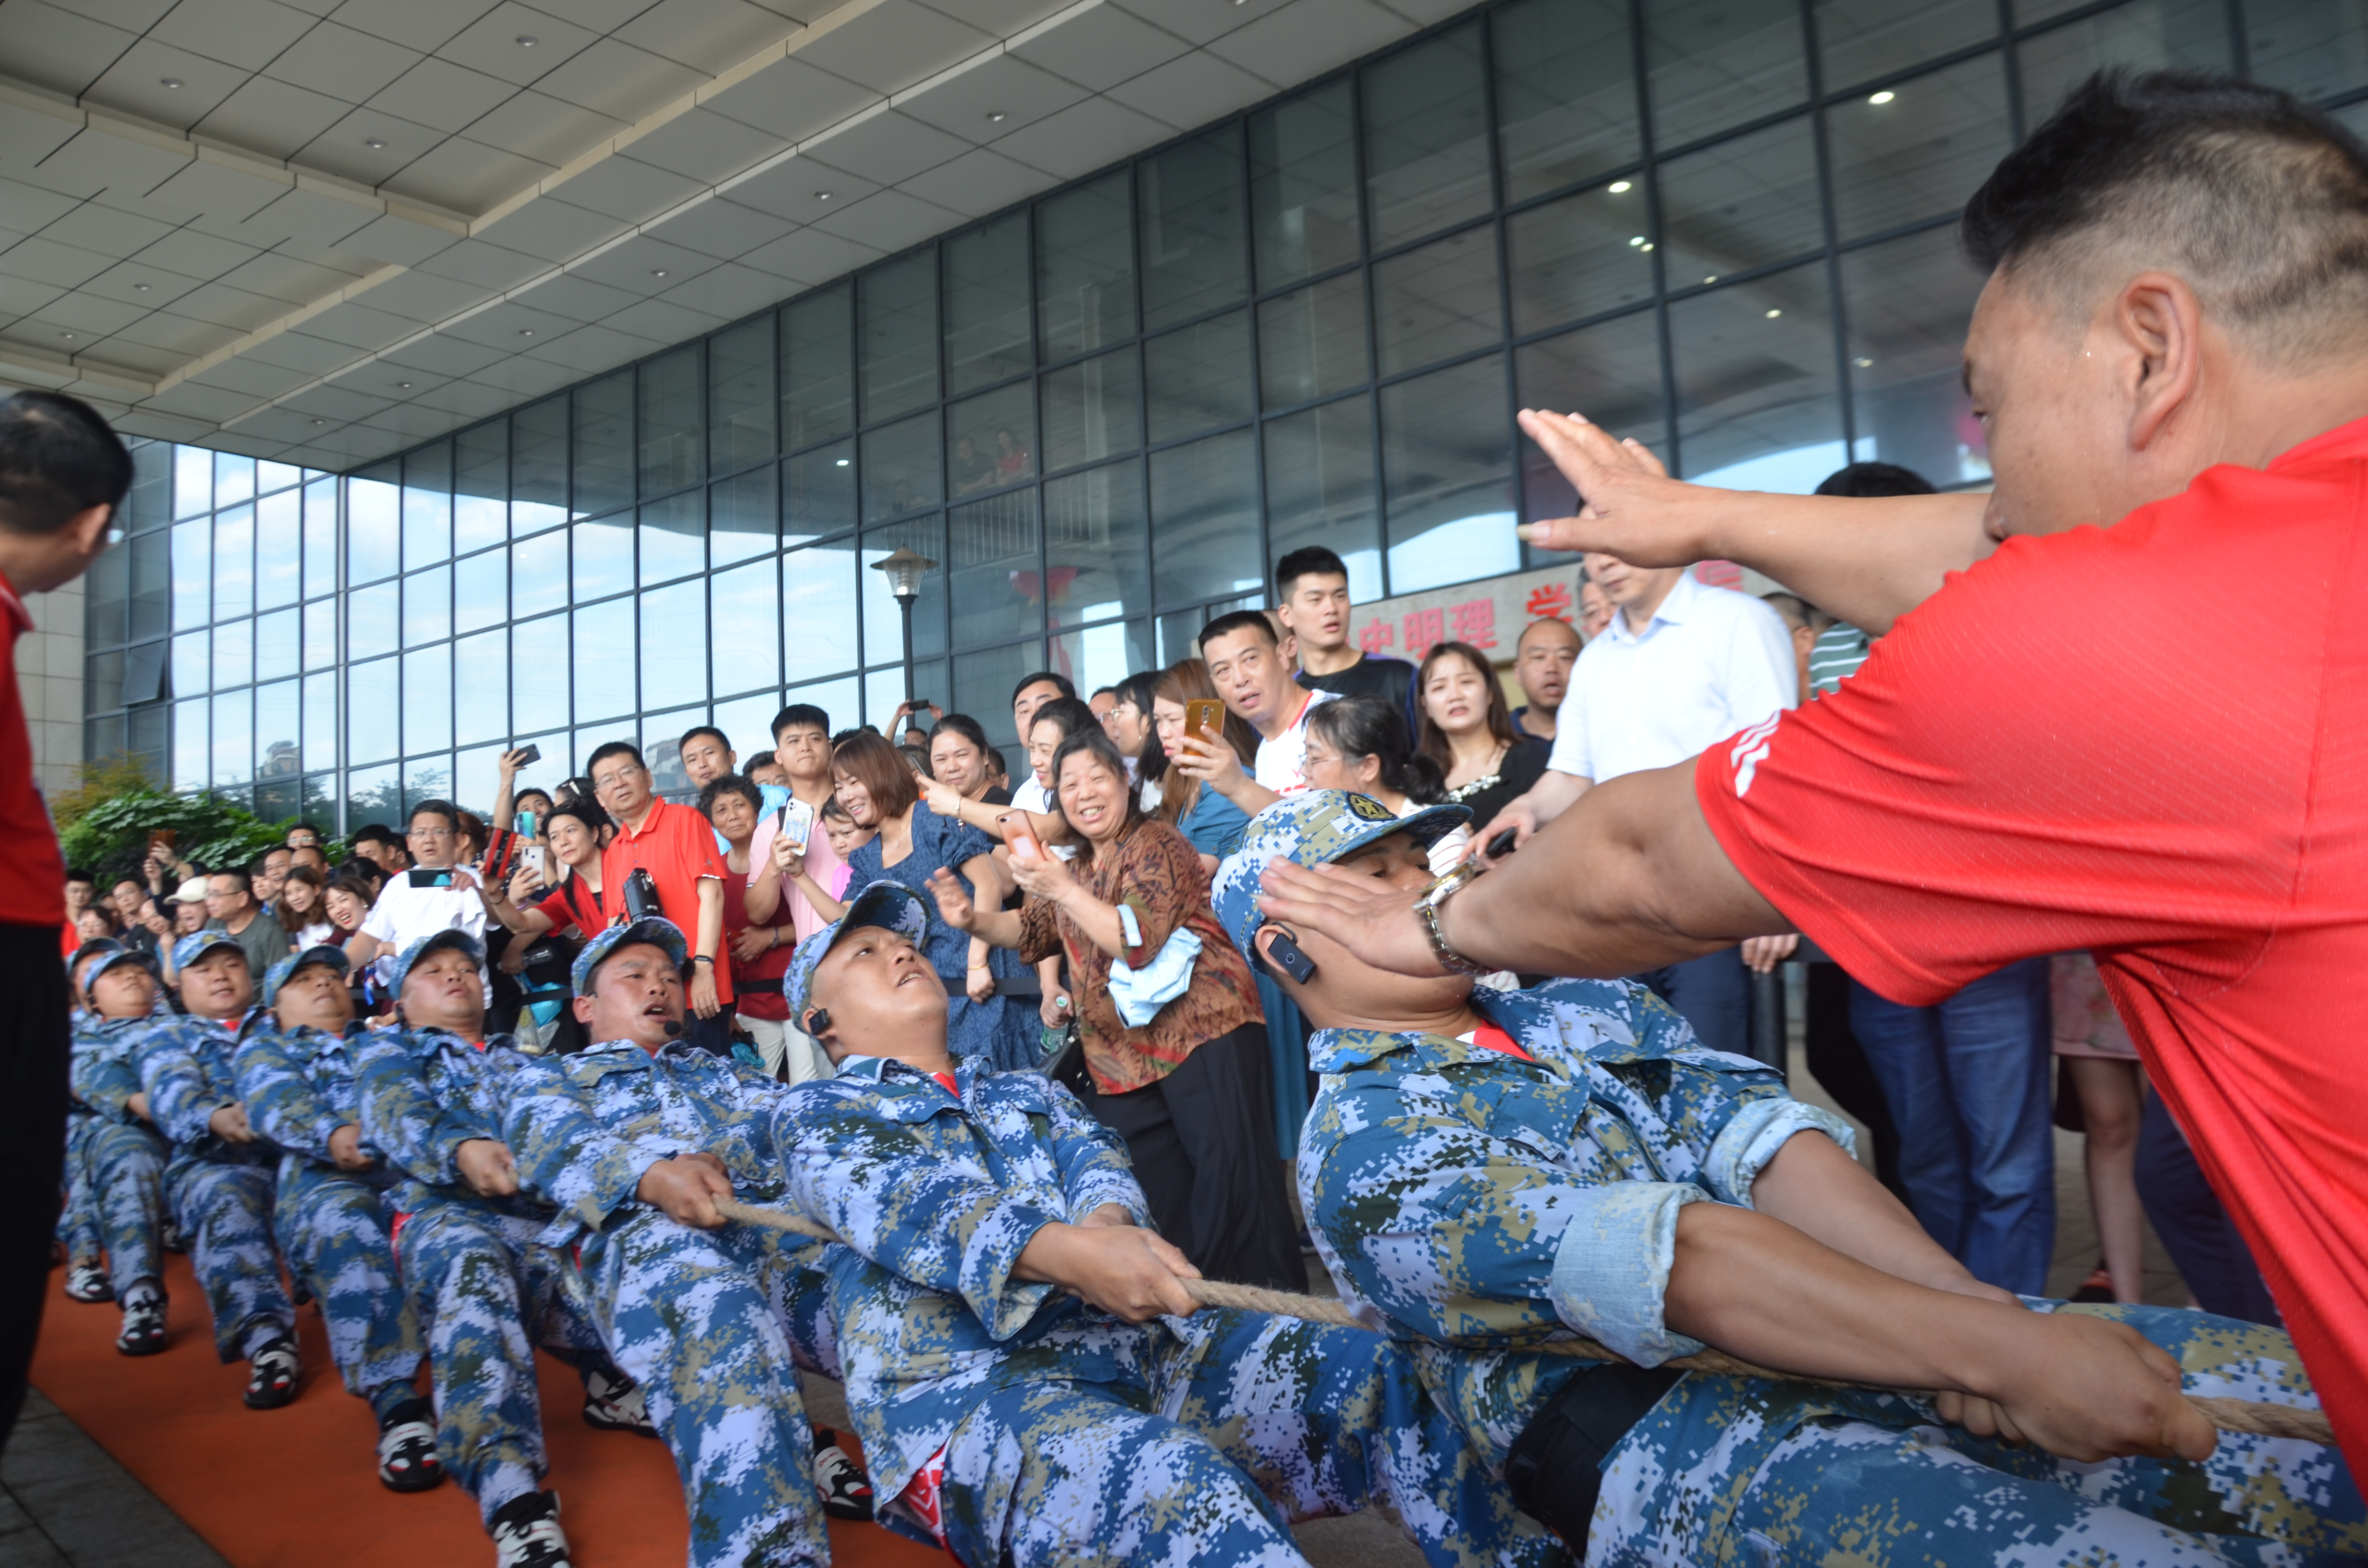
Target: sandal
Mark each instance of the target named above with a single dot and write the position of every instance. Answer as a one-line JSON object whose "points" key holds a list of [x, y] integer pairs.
{"points": [[144, 1326], [86, 1281], [272, 1375]]}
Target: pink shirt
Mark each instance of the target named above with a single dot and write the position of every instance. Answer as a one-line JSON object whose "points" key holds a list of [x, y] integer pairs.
{"points": [[826, 867]]}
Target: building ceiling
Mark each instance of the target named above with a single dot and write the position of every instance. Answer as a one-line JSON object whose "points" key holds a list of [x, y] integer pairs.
{"points": [[321, 231]]}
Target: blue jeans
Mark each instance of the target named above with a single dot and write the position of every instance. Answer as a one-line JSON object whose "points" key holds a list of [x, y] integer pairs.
{"points": [[1966, 1082], [1712, 993]]}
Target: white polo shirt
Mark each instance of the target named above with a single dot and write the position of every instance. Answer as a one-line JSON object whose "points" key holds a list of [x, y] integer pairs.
{"points": [[1711, 661]]}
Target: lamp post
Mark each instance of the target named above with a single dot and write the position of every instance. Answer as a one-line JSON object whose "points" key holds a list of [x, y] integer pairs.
{"points": [[905, 571]]}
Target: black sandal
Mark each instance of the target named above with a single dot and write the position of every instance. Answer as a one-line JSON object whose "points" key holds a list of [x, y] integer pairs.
{"points": [[272, 1375]]}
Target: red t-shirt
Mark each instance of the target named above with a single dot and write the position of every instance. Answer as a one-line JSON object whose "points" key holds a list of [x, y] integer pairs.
{"points": [[577, 905], [32, 870], [2080, 744], [677, 847]]}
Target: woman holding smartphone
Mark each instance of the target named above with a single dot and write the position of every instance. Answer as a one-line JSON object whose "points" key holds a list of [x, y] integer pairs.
{"points": [[1214, 823]]}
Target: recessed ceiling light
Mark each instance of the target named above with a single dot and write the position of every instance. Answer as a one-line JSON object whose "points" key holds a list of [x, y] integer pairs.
{"points": [[527, 41], [657, 272], [171, 81], [320, 422], [1712, 278], [375, 145], [996, 117], [141, 288], [526, 332], [67, 335], [402, 386], [1863, 364], [1621, 188], [822, 196], [1635, 239], [1648, 244], [842, 462], [1884, 96], [1773, 315]]}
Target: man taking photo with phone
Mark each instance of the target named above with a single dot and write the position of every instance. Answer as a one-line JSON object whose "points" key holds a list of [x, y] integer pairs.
{"points": [[434, 894]]}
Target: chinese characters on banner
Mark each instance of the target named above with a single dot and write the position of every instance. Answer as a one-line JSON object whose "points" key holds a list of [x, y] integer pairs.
{"points": [[1490, 615]]}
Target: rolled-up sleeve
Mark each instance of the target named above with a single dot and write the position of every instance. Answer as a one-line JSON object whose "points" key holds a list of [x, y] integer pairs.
{"points": [[1610, 1273], [1746, 1144]]}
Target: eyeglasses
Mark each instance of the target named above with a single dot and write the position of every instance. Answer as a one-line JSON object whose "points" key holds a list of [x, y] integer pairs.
{"points": [[432, 833]]}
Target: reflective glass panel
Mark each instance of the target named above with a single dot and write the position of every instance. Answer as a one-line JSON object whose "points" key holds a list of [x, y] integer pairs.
{"points": [[896, 311], [986, 304], [884, 688], [538, 573], [1191, 199], [233, 654], [151, 583], [1426, 137], [1102, 655], [1566, 92], [2311, 48], [817, 367], [1198, 378], [1085, 268], [427, 606], [427, 778], [673, 645], [743, 515], [319, 537], [1755, 400], [993, 440], [107, 602], [373, 529], [817, 588], [1093, 409], [1438, 302], [1320, 489], [374, 795], [818, 493], [483, 712], [674, 537], [1204, 537], [1610, 372], [1311, 342], [744, 611], [276, 645], [604, 557], [840, 698], [1740, 204], [321, 634], [982, 682], [1303, 186], [740, 405], [481, 590], [1447, 476], [1921, 152], [2151, 35], [1910, 302], [373, 620], [997, 584], [899, 468], [1579, 256], [234, 479], [234, 563], [193, 673], [193, 488], [1093, 540], [278, 549], [373, 699], [233, 737], [881, 629], [672, 440], [1863, 39], [539, 675], [481, 487], [538, 466], [603, 444], [427, 506], [427, 698], [193, 581], [191, 759], [1710, 64], [320, 739], [605, 643]]}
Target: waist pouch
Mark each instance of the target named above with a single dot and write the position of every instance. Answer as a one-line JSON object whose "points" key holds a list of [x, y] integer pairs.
{"points": [[1556, 1466]]}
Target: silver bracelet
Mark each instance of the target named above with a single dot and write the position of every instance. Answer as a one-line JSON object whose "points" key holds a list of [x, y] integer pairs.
{"points": [[1428, 907]]}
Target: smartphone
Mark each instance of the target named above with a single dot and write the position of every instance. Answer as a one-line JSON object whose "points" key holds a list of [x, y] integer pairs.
{"points": [[163, 838], [1203, 718], [796, 822], [524, 823], [1502, 845], [529, 755], [434, 879], [1019, 835]]}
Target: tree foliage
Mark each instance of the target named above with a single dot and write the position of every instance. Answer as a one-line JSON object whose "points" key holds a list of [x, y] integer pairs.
{"points": [[104, 822]]}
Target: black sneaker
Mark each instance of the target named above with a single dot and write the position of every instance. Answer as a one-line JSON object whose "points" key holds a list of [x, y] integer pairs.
{"points": [[86, 1281], [612, 1404], [143, 1326], [272, 1375], [527, 1533], [407, 1450], [846, 1490]]}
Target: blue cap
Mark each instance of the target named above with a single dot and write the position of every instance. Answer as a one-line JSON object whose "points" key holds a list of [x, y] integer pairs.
{"points": [[281, 973], [450, 938], [1313, 827], [649, 929], [116, 953], [890, 905], [189, 949]]}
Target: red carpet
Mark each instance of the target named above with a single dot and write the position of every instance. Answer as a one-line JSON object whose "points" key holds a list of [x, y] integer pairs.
{"points": [[298, 1487]]}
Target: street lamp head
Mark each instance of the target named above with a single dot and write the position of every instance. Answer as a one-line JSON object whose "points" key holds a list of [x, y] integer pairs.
{"points": [[905, 571]]}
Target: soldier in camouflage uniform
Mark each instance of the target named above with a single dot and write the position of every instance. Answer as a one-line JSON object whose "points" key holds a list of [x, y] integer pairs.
{"points": [[994, 1299], [116, 1158], [1492, 1170], [221, 1176], [485, 1292], [296, 1080], [633, 1137], [77, 1229]]}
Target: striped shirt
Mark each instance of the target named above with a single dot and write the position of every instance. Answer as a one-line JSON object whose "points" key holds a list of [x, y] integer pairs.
{"points": [[1839, 650]]}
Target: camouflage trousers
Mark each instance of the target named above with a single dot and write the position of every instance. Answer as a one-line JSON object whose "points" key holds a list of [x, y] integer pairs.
{"points": [[77, 1229], [332, 1231], [713, 1324], [1905, 1492], [484, 1294], [116, 1172], [225, 1211]]}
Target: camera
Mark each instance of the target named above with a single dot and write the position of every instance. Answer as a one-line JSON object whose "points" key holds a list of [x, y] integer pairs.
{"points": [[641, 896]]}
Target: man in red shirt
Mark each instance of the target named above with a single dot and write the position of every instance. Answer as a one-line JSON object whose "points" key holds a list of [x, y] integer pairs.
{"points": [[2039, 757], [62, 474], [676, 846]]}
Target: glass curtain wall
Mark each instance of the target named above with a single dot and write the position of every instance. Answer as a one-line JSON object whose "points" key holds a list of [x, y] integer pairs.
{"points": [[1721, 226]]}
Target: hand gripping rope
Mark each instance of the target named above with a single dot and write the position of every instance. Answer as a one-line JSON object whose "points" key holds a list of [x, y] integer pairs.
{"points": [[2253, 1417]]}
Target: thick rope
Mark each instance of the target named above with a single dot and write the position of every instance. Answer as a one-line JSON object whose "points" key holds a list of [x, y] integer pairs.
{"points": [[2251, 1417]]}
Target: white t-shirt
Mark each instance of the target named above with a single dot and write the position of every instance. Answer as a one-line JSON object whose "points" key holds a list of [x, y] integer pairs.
{"points": [[1283, 759], [1033, 797], [405, 914]]}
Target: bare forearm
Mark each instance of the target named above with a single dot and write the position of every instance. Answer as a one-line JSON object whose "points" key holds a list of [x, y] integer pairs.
{"points": [[763, 897], [1814, 1187], [710, 918], [995, 927], [1868, 560], [1097, 920], [1554, 794]]}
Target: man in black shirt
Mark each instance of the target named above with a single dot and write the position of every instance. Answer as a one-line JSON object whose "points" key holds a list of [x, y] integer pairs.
{"points": [[1310, 595]]}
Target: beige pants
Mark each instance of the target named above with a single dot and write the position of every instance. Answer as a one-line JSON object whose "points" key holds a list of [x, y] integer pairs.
{"points": [[777, 1043]]}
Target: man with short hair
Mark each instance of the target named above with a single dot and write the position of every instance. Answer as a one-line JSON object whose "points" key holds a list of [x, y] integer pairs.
{"points": [[1542, 663], [767, 773], [802, 745], [1311, 599], [1595, 610], [485, 1287], [675, 848], [309, 856], [708, 757], [82, 891], [1103, 701], [1247, 666], [231, 906], [437, 893], [1033, 692], [378, 844], [220, 1179], [1489, 1168], [116, 1158], [269, 872], [128, 898]]}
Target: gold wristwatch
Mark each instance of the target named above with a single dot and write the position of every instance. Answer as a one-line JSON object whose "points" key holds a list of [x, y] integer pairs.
{"points": [[1427, 908]]}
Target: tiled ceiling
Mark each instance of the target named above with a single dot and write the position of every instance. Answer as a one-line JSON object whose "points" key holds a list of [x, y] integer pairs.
{"points": [[321, 231]]}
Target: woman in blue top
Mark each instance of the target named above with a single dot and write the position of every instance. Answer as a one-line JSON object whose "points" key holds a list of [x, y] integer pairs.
{"points": [[877, 791]]}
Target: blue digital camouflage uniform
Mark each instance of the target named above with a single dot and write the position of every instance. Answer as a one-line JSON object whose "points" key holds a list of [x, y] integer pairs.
{"points": [[114, 1160], [334, 1226], [485, 1290], [712, 1324], [220, 1192], [1490, 1203]]}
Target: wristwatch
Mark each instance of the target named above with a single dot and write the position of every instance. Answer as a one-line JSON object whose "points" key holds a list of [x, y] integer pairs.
{"points": [[1427, 908]]}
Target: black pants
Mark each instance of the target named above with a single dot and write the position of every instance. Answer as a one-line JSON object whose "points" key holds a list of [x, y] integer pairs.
{"points": [[33, 1069], [1203, 1139]]}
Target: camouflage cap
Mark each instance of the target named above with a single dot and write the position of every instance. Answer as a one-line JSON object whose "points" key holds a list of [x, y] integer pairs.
{"points": [[1311, 828], [890, 905], [92, 949], [189, 949], [451, 938], [281, 973], [116, 955], [666, 934]]}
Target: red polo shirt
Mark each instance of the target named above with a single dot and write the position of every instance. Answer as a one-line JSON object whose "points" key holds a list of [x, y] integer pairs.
{"points": [[677, 848], [32, 870], [2080, 744]]}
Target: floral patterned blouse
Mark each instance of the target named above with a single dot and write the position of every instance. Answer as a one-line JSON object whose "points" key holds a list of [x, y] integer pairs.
{"points": [[1155, 870]]}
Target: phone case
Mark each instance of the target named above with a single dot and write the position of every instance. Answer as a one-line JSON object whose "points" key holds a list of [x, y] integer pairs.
{"points": [[797, 823]]}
